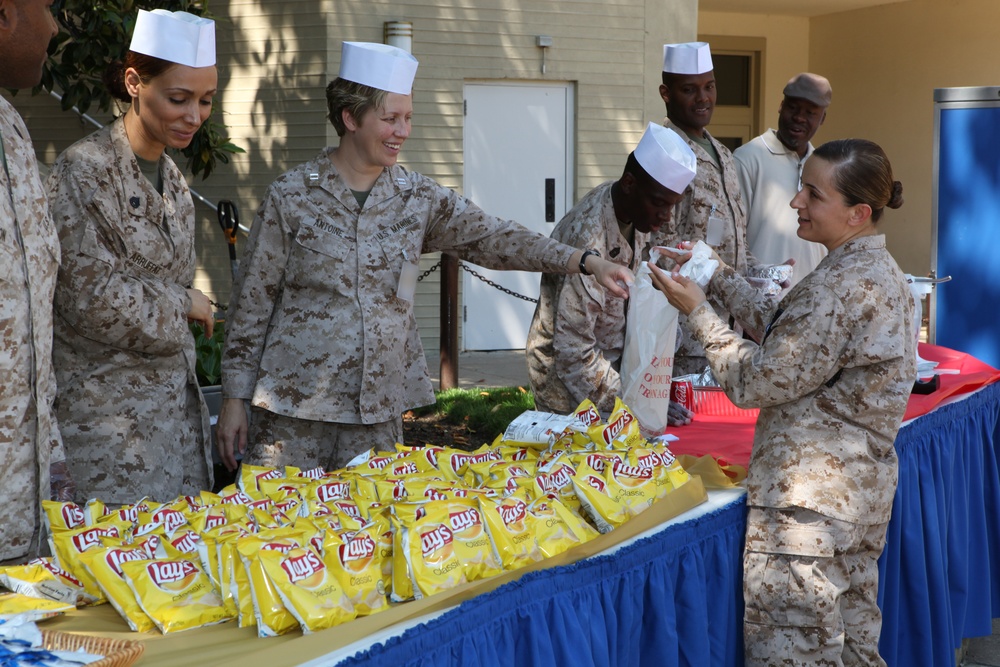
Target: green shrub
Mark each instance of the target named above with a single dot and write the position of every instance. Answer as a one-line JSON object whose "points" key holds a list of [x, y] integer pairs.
{"points": [[208, 351]]}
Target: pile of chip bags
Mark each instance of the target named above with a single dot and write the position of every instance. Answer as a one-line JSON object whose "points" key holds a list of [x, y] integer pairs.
{"points": [[310, 549]]}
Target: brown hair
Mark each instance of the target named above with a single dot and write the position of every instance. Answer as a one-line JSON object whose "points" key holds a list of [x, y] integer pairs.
{"points": [[148, 68], [862, 174], [355, 98]]}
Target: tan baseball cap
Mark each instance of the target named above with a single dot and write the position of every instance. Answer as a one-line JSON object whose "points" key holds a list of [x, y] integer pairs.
{"points": [[812, 87]]}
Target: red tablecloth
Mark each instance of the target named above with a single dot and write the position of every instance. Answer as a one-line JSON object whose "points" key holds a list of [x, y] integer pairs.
{"points": [[731, 438]]}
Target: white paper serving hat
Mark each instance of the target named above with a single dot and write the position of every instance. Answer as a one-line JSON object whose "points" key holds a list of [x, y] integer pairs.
{"points": [[378, 65], [687, 58], [177, 37], [666, 157]]}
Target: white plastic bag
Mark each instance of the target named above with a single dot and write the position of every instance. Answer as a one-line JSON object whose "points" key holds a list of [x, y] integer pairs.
{"points": [[648, 357]]}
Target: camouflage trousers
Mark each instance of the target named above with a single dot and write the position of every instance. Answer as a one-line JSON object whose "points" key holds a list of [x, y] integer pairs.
{"points": [[810, 585], [275, 440]]}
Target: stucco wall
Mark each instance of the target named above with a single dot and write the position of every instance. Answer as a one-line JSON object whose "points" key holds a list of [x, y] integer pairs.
{"points": [[886, 62], [787, 50]]}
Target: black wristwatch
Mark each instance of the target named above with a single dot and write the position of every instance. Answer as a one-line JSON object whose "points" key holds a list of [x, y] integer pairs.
{"points": [[583, 260]]}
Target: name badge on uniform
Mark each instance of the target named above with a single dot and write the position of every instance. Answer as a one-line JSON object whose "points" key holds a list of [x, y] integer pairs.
{"points": [[716, 228], [408, 281]]}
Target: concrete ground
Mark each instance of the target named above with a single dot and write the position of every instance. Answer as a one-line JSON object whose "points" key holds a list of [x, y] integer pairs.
{"points": [[983, 651], [500, 368]]}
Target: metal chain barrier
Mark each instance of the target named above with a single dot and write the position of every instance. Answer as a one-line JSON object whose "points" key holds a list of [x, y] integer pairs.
{"points": [[465, 267]]}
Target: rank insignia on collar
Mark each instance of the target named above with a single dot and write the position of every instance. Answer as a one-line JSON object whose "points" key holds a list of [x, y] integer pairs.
{"points": [[134, 201]]}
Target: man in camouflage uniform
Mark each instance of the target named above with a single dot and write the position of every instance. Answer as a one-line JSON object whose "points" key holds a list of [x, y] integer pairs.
{"points": [[712, 209], [577, 334], [832, 377], [31, 452]]}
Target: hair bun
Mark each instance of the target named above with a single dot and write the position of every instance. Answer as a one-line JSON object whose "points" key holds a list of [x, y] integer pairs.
{"points": [[114, 81], [896, 199]]}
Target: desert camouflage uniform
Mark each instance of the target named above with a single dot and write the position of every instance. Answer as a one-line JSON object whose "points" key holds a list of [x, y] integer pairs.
{"points": [[29, 260], [711, 189], [832, 379], [316, 330], [133, 418], [575, 343]]}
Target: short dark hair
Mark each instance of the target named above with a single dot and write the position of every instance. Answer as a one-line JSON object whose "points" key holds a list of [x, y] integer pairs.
{"points": [[862, 174], [355, 98]]}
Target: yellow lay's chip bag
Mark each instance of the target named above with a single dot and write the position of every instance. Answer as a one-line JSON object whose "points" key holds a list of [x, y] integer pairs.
{"points": [[63, 516], [621, 431], [659, 457], [269, 612], [69, 544], [357, 560], [512, 529], [251, 477], [104, 566], [622, 492], [308, 587], [409, 463], [449, 546], [558, 528], [43, 580], [30, 608], [176, 594]]}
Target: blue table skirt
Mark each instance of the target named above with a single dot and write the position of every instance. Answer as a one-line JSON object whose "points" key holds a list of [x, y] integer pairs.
{"points": [[939, 576], [675, 598]]}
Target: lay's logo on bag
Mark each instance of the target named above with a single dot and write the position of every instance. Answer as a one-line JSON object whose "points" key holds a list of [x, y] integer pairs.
{"points": [[172, 575], [267, 474], [115, 557], [170, 519], [348, 508], [622, 470], [331, 491], [405, 468], [56, 570], [590, 416], [187, 542], [72, 515], [511, 514], [561, 476], [596, 482], [458, 461], [597, 461], [304, 567], [464, 520], [433, 540], [434, 494], [379, 462], [650, 460], [359, 548], [214, 520], [86, 539], [238, 498], [612, 430]]}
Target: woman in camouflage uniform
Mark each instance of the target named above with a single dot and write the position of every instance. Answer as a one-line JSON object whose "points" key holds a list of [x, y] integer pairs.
{"points": [[132, 416], [832, 377], [321, 339]]}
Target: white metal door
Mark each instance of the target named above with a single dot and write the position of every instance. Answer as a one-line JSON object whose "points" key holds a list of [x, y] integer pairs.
{"points": [[518, 165]]}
